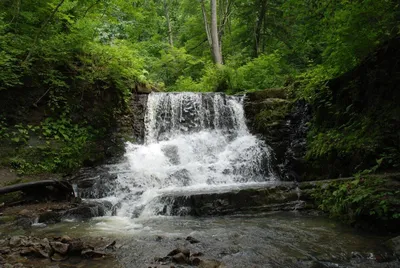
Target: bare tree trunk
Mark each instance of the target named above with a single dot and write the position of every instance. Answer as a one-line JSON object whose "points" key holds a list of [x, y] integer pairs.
{"points": [[214, 34], [206, 27], [259, 24], [170, 37]]}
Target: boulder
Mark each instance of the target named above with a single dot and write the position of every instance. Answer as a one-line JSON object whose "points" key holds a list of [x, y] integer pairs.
{"points": [[59, 247], [180, 258]]}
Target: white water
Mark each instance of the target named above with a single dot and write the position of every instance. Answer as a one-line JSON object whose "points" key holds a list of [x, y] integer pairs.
{"points": [[193, 142]]}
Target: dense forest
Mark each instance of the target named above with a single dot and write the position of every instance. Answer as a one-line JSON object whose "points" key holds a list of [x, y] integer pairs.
{"points": [[68, 68]]}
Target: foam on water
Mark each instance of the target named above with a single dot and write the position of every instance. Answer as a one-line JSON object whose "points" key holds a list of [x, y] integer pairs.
{"points": [[193, 142]]}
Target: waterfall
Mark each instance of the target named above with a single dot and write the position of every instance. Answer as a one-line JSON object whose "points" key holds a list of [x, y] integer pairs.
{"points": [[193, 142]]}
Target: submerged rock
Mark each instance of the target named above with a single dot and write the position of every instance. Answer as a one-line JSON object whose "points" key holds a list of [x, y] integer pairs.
{"points": [[192, 240]]}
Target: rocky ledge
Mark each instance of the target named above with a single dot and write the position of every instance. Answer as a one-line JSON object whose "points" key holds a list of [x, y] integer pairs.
{"points": [[258, 199]]}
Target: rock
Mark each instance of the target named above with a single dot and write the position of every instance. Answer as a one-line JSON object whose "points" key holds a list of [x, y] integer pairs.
{"points": [[7, 265], [394, 245], [180, 258], [27, 251], [59, 247], [163, 260], [50, 217], [46, 245], [195, 262], [65, 239], [75, 247], [176, 251], [283, 125], [211, 264], [24, 222], [192, 240], [17, 241], [88, 210], [5, 250], [89, 253], [39, 252], [197, 254], [111, 246], [282, 196], [25, 213], [58, 257]]}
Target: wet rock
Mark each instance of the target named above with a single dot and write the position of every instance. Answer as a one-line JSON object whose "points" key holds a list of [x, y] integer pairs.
{"points": [[283, 196], [394, 245], [111, 246], [197, 254], [60, 247], [58, 257], [75, 247], [192, 240], [65, 239], [88, 210], [50, 217], [180, 258], [90, 253], [283, 125], [163, 260], [211, 264], [24, 222], [176, 251], [195, 262]]}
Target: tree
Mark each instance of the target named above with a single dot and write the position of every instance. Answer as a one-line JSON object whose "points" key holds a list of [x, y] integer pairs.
{"points": [[216, 48]]}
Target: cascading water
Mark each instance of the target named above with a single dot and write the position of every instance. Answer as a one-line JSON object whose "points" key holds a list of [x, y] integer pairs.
{"points": [[193, 142]]}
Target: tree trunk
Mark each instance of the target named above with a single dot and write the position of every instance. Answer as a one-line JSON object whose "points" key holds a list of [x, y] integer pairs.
{"points": [[37, 186], [259, 24], [216, 49], [206, 27], [170, 37]]}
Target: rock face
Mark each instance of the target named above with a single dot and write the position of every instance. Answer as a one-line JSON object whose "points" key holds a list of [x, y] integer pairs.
{"points": [[283, 125]]}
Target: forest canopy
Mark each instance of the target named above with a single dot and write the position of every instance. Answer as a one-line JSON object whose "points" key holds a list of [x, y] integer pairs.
{"points": [[261, 43]]}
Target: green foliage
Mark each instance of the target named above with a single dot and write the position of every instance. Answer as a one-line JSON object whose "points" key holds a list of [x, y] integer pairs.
{"points": [[266, 71], [57, 145], [358, 199], [272, 114]]}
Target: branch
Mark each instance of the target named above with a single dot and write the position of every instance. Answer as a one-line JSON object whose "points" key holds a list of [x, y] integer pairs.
{"points": [[41, 30]]}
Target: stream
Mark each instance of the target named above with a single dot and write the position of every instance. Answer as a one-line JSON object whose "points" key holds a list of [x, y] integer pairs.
{"points": [[199, 143]]}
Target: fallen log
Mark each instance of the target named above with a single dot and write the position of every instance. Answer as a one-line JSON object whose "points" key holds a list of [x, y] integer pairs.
{"points": [[42, 189]]}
